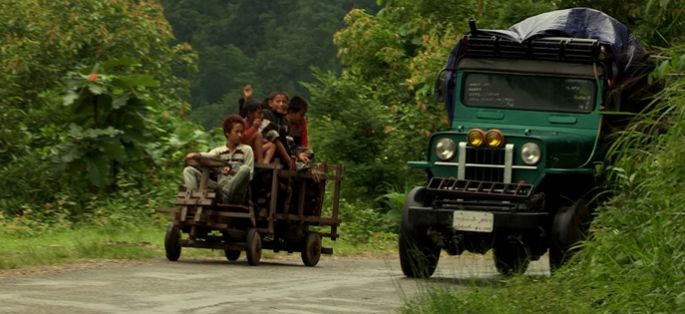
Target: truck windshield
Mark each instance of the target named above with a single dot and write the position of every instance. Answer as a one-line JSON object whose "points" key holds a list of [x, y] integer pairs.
{"points": [[528, 92]]}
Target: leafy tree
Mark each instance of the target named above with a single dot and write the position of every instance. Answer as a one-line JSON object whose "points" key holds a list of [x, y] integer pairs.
{"points": [[108, 126], [391, 60], [271, 44], [41, 42]]}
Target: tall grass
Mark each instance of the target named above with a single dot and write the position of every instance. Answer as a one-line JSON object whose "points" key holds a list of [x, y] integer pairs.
{"points": [[633, 262]]}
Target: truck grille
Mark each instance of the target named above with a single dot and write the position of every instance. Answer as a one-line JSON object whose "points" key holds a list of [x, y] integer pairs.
{"points": [[484, 157], [485, 164]]}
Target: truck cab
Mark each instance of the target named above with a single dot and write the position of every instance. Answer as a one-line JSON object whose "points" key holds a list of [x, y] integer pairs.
{"points": [[517, 170]]}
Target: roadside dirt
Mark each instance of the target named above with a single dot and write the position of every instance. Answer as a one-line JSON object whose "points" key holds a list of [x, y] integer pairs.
{"points": [[213, 285]]}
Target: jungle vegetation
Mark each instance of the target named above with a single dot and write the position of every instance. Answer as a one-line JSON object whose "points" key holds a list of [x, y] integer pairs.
{"points": [[100, 100]]}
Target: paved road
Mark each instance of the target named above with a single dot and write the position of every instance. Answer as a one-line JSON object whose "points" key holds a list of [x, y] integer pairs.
{"points": [[213, 285]]}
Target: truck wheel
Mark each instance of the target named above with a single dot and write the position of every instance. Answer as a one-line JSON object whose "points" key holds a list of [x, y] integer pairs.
{"points": [[232, 255], [418, 254], [172, 244], [569, 227], [254, 247], [311, 251], [511, 257]]}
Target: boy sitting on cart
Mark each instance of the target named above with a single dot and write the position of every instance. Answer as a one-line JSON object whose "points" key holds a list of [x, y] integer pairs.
{"points": [[233, 180]]}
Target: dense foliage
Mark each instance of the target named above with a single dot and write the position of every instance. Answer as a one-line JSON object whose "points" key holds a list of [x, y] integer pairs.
{"points": [[88, 99], [380, 107], [271, 44]]}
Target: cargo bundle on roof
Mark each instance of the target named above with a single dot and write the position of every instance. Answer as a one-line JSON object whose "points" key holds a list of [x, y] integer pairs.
{"points": [[577, 35]]}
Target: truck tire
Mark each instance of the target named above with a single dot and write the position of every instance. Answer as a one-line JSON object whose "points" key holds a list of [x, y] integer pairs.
{"points": [[172, 244], [418, 254], [511, 257], [570, 226]]}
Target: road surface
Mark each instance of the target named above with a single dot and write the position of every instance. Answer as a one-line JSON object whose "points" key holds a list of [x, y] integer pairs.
{"points": [[213, 285]]}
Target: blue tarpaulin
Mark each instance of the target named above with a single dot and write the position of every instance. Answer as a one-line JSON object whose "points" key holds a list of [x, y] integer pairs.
{"points": [[629, 56]]}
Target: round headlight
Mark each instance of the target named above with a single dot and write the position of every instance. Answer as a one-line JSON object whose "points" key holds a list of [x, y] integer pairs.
{"points": [[494, 138], [530, 153], [445, 148], [475, 137]]}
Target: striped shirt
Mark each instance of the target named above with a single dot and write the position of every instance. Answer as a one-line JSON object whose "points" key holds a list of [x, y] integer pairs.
{"points": [[241, 155]]}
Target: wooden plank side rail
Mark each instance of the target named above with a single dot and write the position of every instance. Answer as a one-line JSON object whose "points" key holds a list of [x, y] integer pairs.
{"points": [[196, 194], [311, 219], [230, 207], [231, 214], [194, 202]]}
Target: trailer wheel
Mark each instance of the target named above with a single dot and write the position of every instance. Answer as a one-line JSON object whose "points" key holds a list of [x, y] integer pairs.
{"points": [[172, 244], [311, 251], [232, 255], [418, 254], [254, 247]]}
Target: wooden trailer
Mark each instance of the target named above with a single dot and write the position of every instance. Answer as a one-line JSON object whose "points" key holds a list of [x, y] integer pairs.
{"points": [[283, 212]]}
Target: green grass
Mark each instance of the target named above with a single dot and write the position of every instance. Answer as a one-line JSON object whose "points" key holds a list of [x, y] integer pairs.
{"points": [[143, 242], [378, 244], [72, 245], [68, 246]]}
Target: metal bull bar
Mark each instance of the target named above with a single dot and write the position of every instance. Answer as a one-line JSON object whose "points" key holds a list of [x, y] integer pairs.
{"points": [[457, 188]]}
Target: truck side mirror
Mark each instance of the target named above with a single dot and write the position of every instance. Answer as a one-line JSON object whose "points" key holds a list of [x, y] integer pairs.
{"points": [[440, 87]]}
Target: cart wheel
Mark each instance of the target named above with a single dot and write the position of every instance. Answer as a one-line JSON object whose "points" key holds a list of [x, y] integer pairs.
{"points": [[172, 243], [232, 255], [254, 247], [311, 252]]}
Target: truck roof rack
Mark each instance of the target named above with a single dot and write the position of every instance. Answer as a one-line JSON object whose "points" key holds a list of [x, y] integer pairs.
{"points": [[566, 49]]}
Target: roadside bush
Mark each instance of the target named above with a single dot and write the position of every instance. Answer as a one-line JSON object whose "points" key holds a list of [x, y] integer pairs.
{"points": [[49, 152], [361, 222]]}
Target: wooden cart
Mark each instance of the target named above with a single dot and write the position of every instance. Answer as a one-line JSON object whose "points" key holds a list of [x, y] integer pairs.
{"points": [[281, 210]]}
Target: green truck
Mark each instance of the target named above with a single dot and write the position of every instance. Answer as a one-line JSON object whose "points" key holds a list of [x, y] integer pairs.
{"points": [[517, 170]]}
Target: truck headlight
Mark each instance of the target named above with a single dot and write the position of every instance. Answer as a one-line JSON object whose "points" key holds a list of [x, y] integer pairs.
{"points": [[475, 137], [494, 138], [530, 153], [445, 148]]}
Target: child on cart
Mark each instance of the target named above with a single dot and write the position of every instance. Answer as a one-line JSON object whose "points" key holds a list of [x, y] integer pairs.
{"points": [[278, 128], [297, 109], [254, 124]]}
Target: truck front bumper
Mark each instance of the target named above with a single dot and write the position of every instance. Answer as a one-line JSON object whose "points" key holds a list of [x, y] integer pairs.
{"points": [[509, 220]]}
